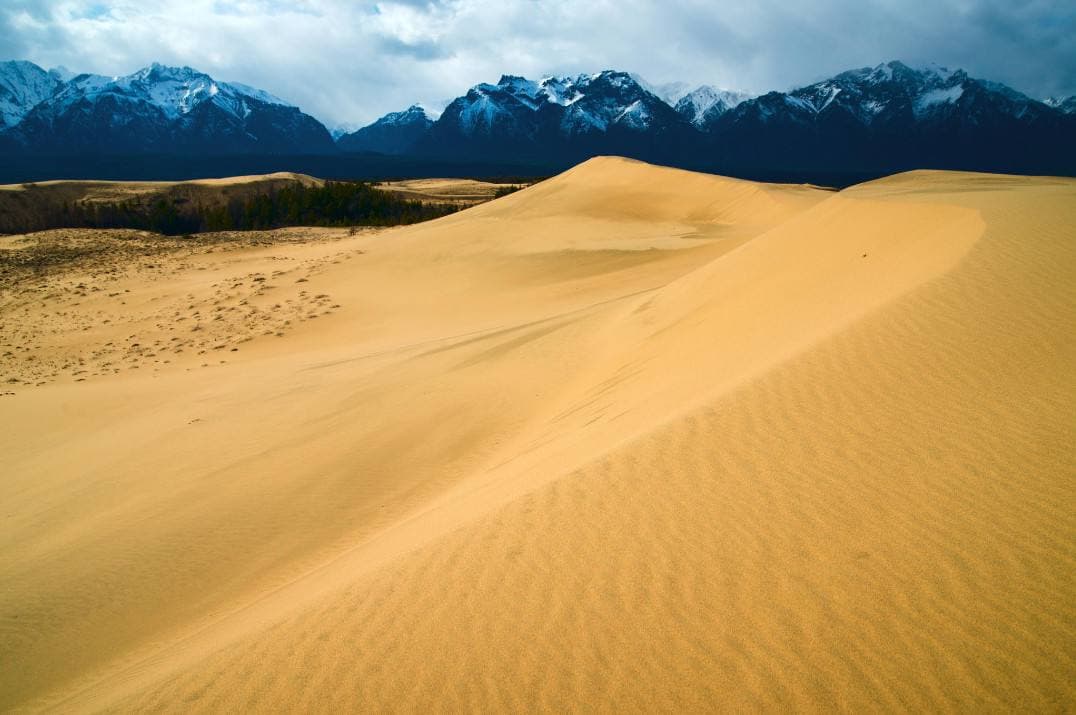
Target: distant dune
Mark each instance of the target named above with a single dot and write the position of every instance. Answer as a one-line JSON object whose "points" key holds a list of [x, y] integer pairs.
{"points": [[631, 439], [466, 192]]}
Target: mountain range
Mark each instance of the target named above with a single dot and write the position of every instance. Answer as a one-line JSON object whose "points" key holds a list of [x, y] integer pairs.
{"points": [[886, 117], [874, 119], [156, 109]]}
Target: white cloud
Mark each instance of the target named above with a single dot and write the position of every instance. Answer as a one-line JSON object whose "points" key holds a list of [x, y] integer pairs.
{"points": [[345, 61]]}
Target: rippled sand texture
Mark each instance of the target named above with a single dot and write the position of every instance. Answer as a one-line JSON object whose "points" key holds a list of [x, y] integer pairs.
{"points": [[630, 439]]}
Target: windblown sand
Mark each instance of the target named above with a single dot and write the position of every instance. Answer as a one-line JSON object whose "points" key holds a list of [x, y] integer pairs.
{"points": [[110, 191], [630, 439], [463, 192]]}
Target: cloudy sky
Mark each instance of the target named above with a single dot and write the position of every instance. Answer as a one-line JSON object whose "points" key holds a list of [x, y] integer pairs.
{"points": [[350, 61]]}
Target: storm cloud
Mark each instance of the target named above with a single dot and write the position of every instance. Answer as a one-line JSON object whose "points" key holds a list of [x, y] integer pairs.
{"points": [[350, 61]]}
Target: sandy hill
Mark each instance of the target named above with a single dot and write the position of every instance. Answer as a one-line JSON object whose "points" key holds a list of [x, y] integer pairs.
{"points": [[464, 192], [630, 439]]}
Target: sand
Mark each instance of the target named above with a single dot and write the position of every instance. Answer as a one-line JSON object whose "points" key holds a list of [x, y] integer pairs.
{"points": [[629, 439], [462, 192], [136, 187]]}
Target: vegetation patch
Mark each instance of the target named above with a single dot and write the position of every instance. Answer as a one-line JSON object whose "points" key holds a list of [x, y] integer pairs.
{"points": [[336, 203]]}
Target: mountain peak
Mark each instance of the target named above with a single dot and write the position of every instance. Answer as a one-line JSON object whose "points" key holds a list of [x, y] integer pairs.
{"points": [[1062, 104], [19, 65], [158, 72], [61, 73], [414, 113], [417, 110], [150, 107], [616, 77], [706, 103], [175, 91], [23, 85], [394, 133], [557, 107]]}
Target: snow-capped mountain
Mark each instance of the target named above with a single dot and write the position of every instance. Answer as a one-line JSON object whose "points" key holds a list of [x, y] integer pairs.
{"points": [[892, 94], [165, 109], [614, 100], [896, 116], [890, 115], [704, 105], [546, 117], [23, 85], [874, 118], [62, 73], [175, 91], [870, 120], [1063, 104], [394, 133], [575, 105], [554, 117]]}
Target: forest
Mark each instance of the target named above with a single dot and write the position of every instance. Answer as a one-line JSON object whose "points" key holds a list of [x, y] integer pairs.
{"points": [[336, 203]]}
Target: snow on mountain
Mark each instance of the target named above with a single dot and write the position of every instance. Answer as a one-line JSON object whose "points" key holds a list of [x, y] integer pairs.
{"points": [[615, 111], [61, 73], [886, 94], [485, 106], [561, 90], [704, 104], [414, 113], [525, 90], [161, 108], [561, 117], [175, 91], [1062, 104], [942, 95], [865, 93], [583, 104], [616, 99], [23, 85], [259, 94], [394, 133], [864, 112], [548, 90], [897, 116]]}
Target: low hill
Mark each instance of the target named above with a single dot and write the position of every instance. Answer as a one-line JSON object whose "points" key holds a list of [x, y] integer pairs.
{"points": [[237, 203], [33, 205]]}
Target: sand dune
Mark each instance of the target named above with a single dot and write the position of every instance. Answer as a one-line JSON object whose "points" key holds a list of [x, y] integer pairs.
{"points": [[135, 187], [464, 192], [630, 439]]}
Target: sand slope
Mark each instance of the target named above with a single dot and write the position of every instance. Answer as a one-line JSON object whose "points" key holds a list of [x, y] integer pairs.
{"points": [[630, 439], [463, 192]]}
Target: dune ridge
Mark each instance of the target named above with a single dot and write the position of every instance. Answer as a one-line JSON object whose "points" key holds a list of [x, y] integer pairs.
{"points": [[632, 438]]}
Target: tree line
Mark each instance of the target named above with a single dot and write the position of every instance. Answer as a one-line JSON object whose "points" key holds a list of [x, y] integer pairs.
{"points": [[335, 203]]}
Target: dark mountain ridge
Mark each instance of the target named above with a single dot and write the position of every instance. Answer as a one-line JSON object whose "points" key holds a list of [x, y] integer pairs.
{"points": [[160, 109], [874, 119], [855, 125]]}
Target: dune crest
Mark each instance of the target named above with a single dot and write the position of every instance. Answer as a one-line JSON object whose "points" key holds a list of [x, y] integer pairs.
{"points": [[630, 438]]}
